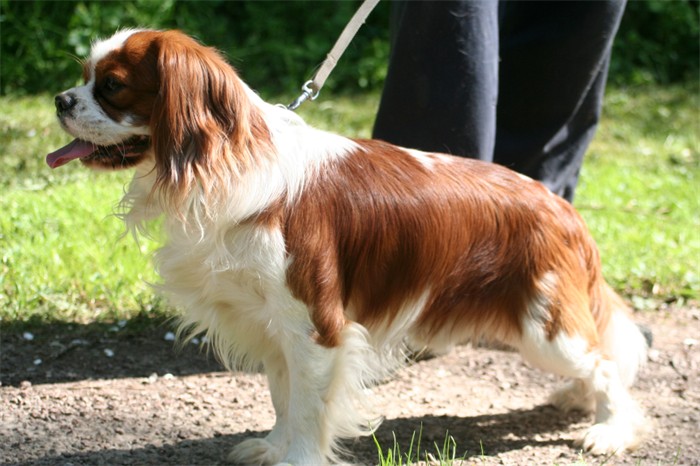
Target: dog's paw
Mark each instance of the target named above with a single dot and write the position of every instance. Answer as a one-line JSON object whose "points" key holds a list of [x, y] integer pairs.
{"points": [[609, 439], [573, 397], [255, 451]]}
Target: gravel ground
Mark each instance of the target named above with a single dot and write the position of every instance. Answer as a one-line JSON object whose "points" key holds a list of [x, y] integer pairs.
{"points": [[96, 395]]}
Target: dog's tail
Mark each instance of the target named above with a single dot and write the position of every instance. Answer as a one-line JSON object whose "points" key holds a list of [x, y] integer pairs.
{"points": [[622, 339]]}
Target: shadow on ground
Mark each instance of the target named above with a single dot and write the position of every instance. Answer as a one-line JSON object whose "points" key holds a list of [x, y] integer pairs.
{"points": [[68, 352], [491, 433]]}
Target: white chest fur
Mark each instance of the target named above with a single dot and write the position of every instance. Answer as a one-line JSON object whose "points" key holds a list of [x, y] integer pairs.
{"points": [[231, 284]]}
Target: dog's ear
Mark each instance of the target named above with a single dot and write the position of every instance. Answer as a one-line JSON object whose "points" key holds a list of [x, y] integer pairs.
{"points": [[202, 121]]}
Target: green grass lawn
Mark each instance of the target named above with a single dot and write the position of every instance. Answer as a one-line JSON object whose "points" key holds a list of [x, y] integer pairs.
{"points": [[640, 192], [64, 257]]}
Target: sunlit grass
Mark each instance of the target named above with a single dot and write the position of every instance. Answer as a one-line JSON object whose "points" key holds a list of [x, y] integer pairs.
{"points": [[639, 191], [63, 257], [443, 454]]}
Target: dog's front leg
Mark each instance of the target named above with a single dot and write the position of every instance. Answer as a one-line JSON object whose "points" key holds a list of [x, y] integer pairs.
{"points": [[278, 380], [319, 397], [271, 449], [310, 377], [328, 399]]}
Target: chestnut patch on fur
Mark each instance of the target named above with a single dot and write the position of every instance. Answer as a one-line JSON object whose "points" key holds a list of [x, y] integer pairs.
{"points": [[377, 229]]}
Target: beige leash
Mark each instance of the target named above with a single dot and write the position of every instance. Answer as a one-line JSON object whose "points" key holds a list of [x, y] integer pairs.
{"points": [[311, 88]]}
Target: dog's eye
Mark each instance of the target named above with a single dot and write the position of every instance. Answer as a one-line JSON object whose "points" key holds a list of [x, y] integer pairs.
{"points": [[112, 85]]}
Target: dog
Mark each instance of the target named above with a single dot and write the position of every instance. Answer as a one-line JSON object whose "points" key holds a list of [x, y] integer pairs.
{"points": [[325, 260]]}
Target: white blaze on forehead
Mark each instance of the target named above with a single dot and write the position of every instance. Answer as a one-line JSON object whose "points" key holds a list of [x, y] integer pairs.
{"points": [[101, 48]]}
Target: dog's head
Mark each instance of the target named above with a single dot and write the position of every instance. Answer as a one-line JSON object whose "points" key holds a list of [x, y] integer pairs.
{"points": [[160, 95]]}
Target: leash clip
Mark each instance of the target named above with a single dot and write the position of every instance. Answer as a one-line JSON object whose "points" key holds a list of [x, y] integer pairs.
{"points": [[308, 93], [313, 87]]}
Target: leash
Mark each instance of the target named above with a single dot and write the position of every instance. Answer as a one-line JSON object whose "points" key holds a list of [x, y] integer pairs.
{"points": [[312, 87]]}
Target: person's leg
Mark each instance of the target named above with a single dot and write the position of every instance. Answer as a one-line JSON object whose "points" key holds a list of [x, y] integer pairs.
{"points": [[441, 87], [554, 62]]}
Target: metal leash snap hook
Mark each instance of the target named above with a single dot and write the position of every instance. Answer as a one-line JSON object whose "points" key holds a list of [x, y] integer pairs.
{"points": [[313, 87], [308, 92]]}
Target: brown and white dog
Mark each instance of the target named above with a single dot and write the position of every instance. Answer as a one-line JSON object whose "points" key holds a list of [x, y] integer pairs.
{"points": [[325, 258]]}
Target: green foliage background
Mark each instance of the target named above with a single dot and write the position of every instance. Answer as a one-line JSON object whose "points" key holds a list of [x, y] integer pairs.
{"points": [[277, 44]]}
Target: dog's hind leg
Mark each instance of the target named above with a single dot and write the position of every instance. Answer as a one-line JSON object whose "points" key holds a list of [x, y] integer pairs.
{"points": [[599, 382], [575, 396]]}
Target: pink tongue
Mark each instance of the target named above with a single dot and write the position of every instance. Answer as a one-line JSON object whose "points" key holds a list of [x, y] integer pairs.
{"points": [[75, 150]]}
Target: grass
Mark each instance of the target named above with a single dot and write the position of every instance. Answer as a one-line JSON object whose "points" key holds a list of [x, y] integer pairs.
{"points": [[442, 455], [64, 258], [639, 192]]}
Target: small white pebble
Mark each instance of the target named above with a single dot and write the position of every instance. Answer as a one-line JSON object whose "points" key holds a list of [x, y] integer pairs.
{"points": [[28, 336], [168, 376], [690, 342], [109, 353], [170, 336], [195, 341], [37, 361], [654, 355]]}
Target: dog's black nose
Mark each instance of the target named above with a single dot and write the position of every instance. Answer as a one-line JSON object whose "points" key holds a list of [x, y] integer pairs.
{"points": [[64, 102]]}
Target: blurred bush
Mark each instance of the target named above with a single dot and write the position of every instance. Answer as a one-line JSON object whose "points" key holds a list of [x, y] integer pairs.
{"points": [[278, 45], [658, 41]]}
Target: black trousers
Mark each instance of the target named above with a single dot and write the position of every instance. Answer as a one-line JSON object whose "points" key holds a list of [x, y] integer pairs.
{"points": [[519, 83]]}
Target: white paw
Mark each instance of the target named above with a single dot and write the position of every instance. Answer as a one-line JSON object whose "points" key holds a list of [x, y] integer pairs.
{"points": [[255, 452], [573, 397], [609, 439]]}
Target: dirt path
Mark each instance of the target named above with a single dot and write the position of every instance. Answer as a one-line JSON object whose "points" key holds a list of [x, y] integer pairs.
{"points": [[92, 399]]}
